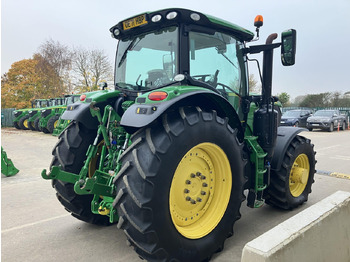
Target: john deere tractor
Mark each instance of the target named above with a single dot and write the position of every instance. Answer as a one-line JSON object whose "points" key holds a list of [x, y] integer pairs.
{"points": [[174, 150], [60, 124], [34, 114], [22, 115]]}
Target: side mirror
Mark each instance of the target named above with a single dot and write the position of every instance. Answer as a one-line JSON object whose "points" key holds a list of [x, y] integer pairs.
{"points": [[288, 48]]}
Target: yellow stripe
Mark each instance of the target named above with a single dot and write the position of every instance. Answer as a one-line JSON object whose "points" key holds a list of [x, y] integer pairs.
{"points": [[340, 175]]}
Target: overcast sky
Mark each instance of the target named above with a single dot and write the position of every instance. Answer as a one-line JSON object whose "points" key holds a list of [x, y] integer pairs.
{"points": [[323, 32]]}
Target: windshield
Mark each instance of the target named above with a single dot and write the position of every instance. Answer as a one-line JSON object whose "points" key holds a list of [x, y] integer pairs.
{"points": [[147, 61], [324, 113], [214, 60], [291, 114]]}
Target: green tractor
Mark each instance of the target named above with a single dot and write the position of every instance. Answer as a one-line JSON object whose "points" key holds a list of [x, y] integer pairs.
{"points": [[61, 124], [34, 114], [22, 115], [174, 150], [49, 116]]}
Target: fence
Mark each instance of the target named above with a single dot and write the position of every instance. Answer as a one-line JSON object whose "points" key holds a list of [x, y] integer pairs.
{"points": [[7, 116]]}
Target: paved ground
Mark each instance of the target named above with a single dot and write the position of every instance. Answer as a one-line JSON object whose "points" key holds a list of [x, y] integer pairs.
{"points": [[35, 227]]}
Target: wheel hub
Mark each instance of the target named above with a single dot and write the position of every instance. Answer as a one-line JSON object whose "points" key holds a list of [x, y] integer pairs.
{"points": [[299, 175], [200, 190]]}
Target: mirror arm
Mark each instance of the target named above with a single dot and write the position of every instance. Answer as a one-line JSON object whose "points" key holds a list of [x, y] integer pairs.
{"points": [[255, 49]]}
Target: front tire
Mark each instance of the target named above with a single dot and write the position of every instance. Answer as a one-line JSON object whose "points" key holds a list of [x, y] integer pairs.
{"points": [[51, 124], [37, 124], [15, 124], [290, 186], [180, 187], [331, 128], [23, 122], [69, 153]]}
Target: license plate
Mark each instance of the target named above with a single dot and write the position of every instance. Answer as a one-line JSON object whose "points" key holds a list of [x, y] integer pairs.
{"points": [[135, 22], [315, 124], [282, 122]]}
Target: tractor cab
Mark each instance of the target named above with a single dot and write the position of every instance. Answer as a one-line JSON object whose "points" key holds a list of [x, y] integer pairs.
{"points": [[180, 47]]}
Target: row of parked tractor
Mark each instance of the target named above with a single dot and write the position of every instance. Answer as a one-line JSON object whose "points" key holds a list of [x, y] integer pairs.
{"points": [[44, 115], [325, 119]]}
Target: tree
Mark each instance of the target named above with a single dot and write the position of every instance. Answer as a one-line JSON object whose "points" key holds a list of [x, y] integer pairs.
{"points": [[317, 100], [59, 57], [284, 99], [253, 85], [26, 80], [90, 67]]}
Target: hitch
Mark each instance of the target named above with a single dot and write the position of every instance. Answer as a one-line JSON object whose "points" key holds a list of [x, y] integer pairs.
{"points": [[102, 159]]}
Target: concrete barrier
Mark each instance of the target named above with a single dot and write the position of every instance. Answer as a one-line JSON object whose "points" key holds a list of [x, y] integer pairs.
{"points": [[318, 233]]}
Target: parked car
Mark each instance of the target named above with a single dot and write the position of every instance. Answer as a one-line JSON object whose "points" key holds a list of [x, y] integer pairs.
{"points": [[296, 117], [327, 120]]}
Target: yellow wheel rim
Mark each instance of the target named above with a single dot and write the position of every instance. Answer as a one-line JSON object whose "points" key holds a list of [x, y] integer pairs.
{"points": [[25, 123], [55, 124], [200, 190], [95, 160], [299, 175]]}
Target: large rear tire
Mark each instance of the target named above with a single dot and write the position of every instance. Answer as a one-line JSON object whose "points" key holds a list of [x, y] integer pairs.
{"points": [[291, 185], [70, 153], [180, 187]]}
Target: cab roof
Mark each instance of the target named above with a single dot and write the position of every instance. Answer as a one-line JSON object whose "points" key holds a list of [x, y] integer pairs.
{"points": [[144, 22]]}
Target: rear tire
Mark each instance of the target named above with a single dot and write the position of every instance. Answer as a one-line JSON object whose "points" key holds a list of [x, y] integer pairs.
{"points": [[291, 185], [163, 168], [69, 153], [23, 122], [51, 124]]}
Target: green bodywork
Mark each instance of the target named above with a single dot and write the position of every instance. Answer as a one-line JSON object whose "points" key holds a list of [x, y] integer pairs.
{"points": [[34, 113], [61, 124], [56, 110], [116, 140], [7, 167], [36, 105]]}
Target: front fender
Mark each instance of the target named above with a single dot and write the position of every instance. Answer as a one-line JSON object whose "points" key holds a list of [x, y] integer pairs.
{"points": [[285, 135]]}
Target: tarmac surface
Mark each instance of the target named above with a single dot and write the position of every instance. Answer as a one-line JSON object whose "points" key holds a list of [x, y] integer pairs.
{"points": [[35, 227]]}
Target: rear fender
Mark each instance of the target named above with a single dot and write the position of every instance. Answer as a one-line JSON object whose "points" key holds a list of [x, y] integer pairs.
{"points": [[141, 114], [284, 136]]}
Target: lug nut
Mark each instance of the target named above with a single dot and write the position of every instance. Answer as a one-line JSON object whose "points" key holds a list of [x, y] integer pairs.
{"points": [[186, 190], [188, 198], [203, 193], [204, 184], [193, 175], [203, 177], [199, 199], [188, 182], [193, 201], [198, 174]]}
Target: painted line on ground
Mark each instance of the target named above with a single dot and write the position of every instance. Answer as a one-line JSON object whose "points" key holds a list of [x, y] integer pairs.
{"points": [[333, 174], [33, 224]]}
